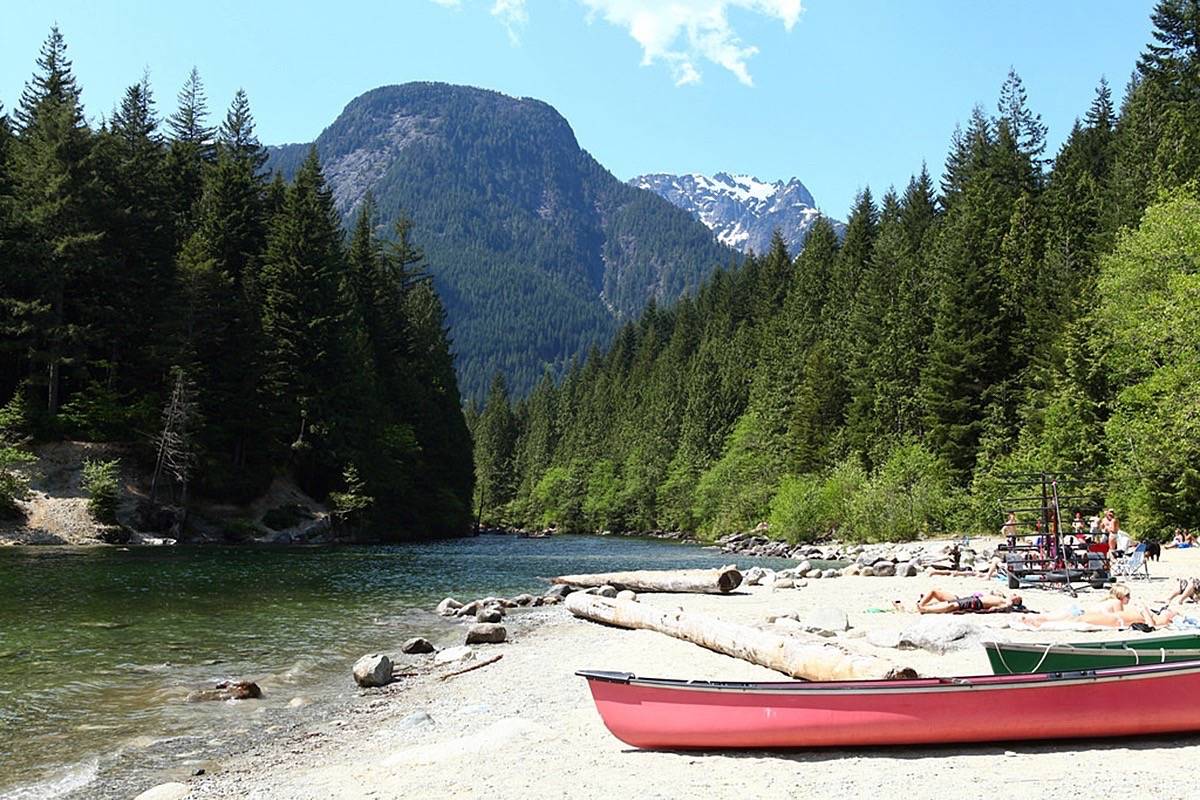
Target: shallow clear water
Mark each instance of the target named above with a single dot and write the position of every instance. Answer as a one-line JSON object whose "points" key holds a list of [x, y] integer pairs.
{"points": [[100, 646]]}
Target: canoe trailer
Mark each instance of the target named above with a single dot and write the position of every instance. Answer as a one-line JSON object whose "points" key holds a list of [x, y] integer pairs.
{"points": [[1037, 552]]}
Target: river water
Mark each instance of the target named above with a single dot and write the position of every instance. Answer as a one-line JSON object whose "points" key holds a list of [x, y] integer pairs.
{"points": [[100, 646]]}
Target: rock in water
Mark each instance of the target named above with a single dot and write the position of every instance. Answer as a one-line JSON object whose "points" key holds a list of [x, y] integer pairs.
{"points": [[452, 654], [826, 620], [227, 690], [165, 791], [448, 606], [373, 670], [418, 644], [486, 633]]}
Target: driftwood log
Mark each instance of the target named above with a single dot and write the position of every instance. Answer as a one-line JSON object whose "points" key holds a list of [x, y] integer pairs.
{"points": [[695, 581], [796, 658]]}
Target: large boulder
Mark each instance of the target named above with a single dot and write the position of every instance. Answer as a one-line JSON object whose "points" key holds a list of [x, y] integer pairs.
{"points": [[938, 634], [448, 606], [373, 669], [469, 609], [165, 791], [486, 633], [628, 595], [826, 621], [559, 590], [489, 614], [418, 644], [452, 654], [883, 569], [523, 600]]}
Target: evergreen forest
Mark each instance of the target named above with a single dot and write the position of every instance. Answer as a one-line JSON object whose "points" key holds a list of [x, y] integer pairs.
{"points": [[1029, 311], [159, 288]]}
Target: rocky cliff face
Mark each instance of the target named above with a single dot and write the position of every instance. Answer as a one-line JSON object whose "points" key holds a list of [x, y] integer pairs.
{"points": [[538, 252], [741, 210]]}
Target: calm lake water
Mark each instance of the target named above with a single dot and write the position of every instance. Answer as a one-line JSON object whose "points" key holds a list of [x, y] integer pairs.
{"points": [[100, 646]]}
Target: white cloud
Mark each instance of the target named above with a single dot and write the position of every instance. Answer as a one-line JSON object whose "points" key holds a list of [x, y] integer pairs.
{"points": [[512, 14], [681, 33], [678, 33]]}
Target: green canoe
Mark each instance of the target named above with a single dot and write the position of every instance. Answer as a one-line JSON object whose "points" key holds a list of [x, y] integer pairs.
{"points": [[1012, 658]]}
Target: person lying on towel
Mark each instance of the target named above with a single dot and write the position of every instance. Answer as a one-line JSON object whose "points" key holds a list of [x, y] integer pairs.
{"points": [[939, 601], [1115, 611]]}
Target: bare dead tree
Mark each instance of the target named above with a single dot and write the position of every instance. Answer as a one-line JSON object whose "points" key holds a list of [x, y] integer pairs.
{"points": [[175, 443]]}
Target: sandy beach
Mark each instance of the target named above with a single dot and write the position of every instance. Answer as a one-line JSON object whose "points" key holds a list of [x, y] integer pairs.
{"points": [[525, 726]]}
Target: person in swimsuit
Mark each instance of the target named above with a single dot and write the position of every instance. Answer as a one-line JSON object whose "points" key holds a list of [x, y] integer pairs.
{"points": [[939, 601], [1189, 589], [1118, 598], [1110, 526]]}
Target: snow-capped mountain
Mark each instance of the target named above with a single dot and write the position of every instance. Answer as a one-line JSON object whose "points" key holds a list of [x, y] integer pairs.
{"points": [[740, 209]]}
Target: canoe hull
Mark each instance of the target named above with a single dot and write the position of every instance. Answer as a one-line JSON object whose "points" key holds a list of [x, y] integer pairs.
{"points": [[662, 714], [1015, 659]]}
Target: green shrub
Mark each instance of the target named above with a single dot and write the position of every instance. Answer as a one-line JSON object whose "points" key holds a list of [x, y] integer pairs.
{"points": [[97, 414], [102, 486], [735, 493], [557, 500], [14, 482], [350, 505]]}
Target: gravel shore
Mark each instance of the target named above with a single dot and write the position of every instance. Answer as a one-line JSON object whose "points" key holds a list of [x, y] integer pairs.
{"points": [[525, 727]]}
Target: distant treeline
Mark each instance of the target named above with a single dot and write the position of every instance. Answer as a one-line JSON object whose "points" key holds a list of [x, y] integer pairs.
{"points": [[155, 281], [1029, 313]]}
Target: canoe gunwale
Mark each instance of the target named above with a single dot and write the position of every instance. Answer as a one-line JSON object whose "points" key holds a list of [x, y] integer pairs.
{"points": [[972, 683]]}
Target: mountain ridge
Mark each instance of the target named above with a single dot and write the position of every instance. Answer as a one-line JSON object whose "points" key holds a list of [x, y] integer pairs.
{"points": [[742, 211], [538, 251]]}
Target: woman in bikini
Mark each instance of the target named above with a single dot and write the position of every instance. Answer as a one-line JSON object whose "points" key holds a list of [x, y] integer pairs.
{"points": [[1115, 611]]}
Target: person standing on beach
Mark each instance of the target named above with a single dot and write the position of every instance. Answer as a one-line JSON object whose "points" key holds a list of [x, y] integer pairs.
{"points": [[1110, 526]]}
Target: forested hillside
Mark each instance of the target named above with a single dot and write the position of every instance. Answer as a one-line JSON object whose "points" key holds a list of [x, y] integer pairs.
{"points": [[157, 288], [539, 252], [1028, 313]]}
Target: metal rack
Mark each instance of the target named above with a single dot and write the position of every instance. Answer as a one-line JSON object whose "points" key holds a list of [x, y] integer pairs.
{"points": [[1050, 560]]}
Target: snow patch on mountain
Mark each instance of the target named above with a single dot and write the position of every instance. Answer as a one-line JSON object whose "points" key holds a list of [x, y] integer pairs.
{"points": [[741, 210]]}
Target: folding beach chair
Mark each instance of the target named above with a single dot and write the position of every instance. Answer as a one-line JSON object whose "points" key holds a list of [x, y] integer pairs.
{"points": [[1133, 565]]}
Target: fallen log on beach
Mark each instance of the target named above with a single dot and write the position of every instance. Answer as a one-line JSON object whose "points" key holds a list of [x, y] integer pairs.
{"points": [[786, 654], [695, 581]]}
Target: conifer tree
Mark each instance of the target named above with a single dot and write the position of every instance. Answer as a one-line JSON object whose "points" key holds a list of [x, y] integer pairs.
{"points": [[302, 323], [192, 147], [54, 180], [495, 443]]}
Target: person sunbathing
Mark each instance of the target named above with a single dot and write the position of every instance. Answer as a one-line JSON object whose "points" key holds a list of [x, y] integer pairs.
{"points": [[1115, 611], [939, 601], [1189, 589], [1125, 618], [1118, 597]]}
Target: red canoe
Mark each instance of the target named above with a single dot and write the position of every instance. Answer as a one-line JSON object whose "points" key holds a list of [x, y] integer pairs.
{"points": [[674, 714]]}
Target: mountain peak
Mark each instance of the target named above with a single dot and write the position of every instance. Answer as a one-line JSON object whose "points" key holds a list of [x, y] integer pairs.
{"points": [[742, 210]]}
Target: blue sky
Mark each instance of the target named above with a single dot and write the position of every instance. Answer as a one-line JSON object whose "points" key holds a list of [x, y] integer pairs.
{"points": [[840, 93]]}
